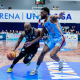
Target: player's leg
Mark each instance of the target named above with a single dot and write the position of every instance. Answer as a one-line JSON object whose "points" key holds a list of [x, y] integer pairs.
{"points": [[40, 59], [30, 55], [20, 56], [54, 52], [45, 50], [15, 61], [54, 56]]}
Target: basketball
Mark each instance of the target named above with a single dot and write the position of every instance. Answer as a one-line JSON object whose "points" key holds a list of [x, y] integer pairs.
{"points": [[11, 55]]}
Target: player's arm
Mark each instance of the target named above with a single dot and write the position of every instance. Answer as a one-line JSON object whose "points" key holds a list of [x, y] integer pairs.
{"points": [[39, 34], [55, 17], [19, 40]]}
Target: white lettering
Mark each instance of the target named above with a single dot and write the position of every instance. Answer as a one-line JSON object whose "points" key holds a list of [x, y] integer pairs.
{"points": [[59, 76]]}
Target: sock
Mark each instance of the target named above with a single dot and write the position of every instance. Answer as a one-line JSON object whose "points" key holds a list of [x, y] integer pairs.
{"points": [[37, 66], [59, 61]]}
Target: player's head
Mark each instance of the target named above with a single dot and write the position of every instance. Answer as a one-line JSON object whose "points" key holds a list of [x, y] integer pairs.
{"points": [[27, 27], [44, 12]]}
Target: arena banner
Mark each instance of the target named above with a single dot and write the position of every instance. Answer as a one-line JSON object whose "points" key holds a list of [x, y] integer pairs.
{"points": [[10, 36], [70, 43], [68, 37], [2, 36], [71, 37], [70, 16]]}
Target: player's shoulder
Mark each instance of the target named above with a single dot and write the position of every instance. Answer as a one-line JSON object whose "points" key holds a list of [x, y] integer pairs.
{"points": [[23, 33], [37, 31]]}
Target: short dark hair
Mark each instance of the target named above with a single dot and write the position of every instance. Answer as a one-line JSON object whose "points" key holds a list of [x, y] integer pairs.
{"points": [[9, 7], [46, 9]]}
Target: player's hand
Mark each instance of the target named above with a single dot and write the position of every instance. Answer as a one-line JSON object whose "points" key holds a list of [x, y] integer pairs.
{"points": [[27, 44], [61, 14]]}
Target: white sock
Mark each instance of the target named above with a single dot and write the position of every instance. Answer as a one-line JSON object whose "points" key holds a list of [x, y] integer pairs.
{"points": [[37, 66], [59, 61]]}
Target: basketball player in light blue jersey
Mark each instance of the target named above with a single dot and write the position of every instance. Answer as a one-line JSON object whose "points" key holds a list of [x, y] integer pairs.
{"points": [[55, 42]]}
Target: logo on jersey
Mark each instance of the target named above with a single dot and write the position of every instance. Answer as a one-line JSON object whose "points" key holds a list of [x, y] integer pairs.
{"points": [[51, 28], [23, 49], [48, 24], [33, 37], [27, 37]]}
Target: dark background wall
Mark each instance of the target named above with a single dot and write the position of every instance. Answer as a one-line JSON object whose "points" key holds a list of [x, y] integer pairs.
{"points": [[20, 26], [15, 26]]}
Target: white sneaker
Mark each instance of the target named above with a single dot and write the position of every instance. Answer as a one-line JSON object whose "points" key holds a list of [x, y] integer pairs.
{"points": [[34, 72], [60, 65]]}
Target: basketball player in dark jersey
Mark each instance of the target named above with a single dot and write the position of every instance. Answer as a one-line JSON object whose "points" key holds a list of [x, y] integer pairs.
{"points": [[27, 52]]}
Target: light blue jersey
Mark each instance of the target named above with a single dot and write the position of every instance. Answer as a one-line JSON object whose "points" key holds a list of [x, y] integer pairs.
{"points": [[54, 30], [56, 33], [2, 8]]}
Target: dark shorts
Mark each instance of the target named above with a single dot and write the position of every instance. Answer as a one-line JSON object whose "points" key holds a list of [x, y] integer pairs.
{"points": [[28, 52]]}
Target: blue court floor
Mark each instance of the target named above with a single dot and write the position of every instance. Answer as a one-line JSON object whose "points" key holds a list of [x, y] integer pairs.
{"points": [[47, 71]]}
